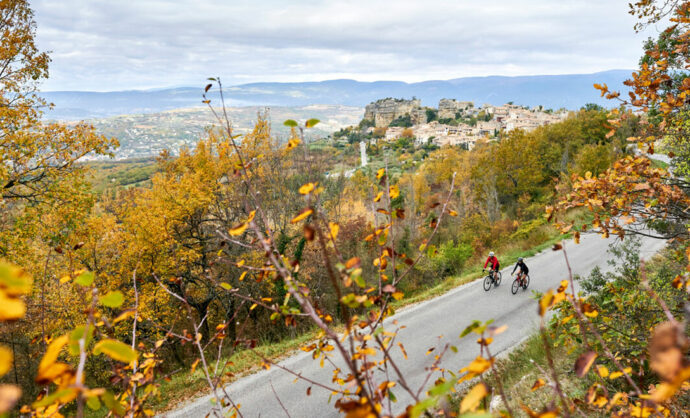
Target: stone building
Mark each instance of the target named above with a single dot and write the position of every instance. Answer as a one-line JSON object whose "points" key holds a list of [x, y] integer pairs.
{"points": [[447, 108], [385, 111]]}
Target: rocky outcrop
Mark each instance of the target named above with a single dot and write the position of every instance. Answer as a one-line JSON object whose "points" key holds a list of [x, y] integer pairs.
{"points": [[447, 108], [385, 111]]}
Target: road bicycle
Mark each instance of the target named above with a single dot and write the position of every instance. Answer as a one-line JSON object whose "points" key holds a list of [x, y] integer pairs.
{"points": [[518, 283], [492, 279]]}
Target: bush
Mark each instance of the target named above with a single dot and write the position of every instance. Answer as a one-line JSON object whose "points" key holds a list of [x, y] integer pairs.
{"points": [[451, 258]]}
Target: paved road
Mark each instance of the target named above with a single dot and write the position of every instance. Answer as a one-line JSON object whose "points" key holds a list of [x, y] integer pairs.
{"points": [[445, 316]]}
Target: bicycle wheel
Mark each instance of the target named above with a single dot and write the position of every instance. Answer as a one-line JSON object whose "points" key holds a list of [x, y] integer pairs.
{"points": [[487, 283], [525, 284], [497, 278], [515, 286]]}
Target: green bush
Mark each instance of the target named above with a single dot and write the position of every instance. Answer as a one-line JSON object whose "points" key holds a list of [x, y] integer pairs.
{"points": [[451, 258]]}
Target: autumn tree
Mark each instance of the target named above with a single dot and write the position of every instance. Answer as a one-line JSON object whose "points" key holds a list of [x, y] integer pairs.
{"points": [[43, 193]]}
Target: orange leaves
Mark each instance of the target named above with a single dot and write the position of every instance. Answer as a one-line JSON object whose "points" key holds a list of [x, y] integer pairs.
{"points": [[603, 88], [537, 384], [353, 262], [666, 352], [632, 185], [402, 350], [355, 409]]}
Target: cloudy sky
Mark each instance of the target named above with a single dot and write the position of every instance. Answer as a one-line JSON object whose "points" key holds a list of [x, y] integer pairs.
{"points": [[105, 45]]}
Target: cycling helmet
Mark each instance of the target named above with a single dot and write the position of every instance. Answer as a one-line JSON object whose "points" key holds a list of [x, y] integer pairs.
{"points": [[491, 254], [519, 258]]}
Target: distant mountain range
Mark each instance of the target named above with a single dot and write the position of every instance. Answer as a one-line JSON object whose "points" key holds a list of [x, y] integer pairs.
{"points": [[569, 91]]}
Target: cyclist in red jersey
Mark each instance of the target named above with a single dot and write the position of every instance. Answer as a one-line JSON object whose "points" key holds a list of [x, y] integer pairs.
{"points": [[495, 265]]}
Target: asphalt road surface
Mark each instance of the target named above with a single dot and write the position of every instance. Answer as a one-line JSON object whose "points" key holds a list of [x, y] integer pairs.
{"points": [[445, 317]]}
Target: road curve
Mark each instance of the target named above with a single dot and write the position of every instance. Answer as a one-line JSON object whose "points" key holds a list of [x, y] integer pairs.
{"points": [[430, 323]]}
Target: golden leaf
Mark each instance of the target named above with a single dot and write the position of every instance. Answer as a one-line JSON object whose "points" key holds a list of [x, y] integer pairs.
{"points": [[238, 229], [193, 368], [292, 143], [48, 368], [307, 188], [5, 360], [475, 395], [52, 352], [545, 302], [303, 215], [334, 228], [394, 191], [479, 365], [13, 280], [11, 308]]}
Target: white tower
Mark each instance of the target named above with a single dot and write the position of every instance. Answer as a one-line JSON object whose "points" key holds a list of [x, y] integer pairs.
{"points": [[363, 153]]}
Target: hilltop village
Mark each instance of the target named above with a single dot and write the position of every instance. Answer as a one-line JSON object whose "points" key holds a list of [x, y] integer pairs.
{"points": [[451, 123]]}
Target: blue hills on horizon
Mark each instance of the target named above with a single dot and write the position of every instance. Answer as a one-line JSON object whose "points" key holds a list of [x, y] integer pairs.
{"points": [[570, 91]]}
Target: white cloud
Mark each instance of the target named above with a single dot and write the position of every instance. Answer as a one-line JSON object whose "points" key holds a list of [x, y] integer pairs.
{"points": [[107, 45]]}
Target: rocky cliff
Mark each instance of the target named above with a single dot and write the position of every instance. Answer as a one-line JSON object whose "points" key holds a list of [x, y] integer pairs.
{"points": [[447, 108], [385, 111]]}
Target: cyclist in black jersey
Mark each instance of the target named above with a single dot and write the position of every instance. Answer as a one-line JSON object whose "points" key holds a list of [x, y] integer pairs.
{"points": [[523, 270]]}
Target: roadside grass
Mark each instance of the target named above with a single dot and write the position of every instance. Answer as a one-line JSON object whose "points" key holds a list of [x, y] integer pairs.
{"points": [[183, 386], [519, 370], [659, 164]]}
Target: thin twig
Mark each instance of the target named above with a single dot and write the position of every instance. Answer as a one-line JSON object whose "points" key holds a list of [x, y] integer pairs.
{"points": [[278, 399]]}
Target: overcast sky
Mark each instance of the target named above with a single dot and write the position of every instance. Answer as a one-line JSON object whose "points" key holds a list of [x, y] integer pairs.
{"points": [[138, 44]]}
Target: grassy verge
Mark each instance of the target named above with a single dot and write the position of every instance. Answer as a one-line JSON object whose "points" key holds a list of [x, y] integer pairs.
{"points": [[520, 369], [659, 164], [185, 385]]}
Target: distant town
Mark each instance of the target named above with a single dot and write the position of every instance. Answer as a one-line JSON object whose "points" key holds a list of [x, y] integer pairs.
{"points": [[453, 122]]}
